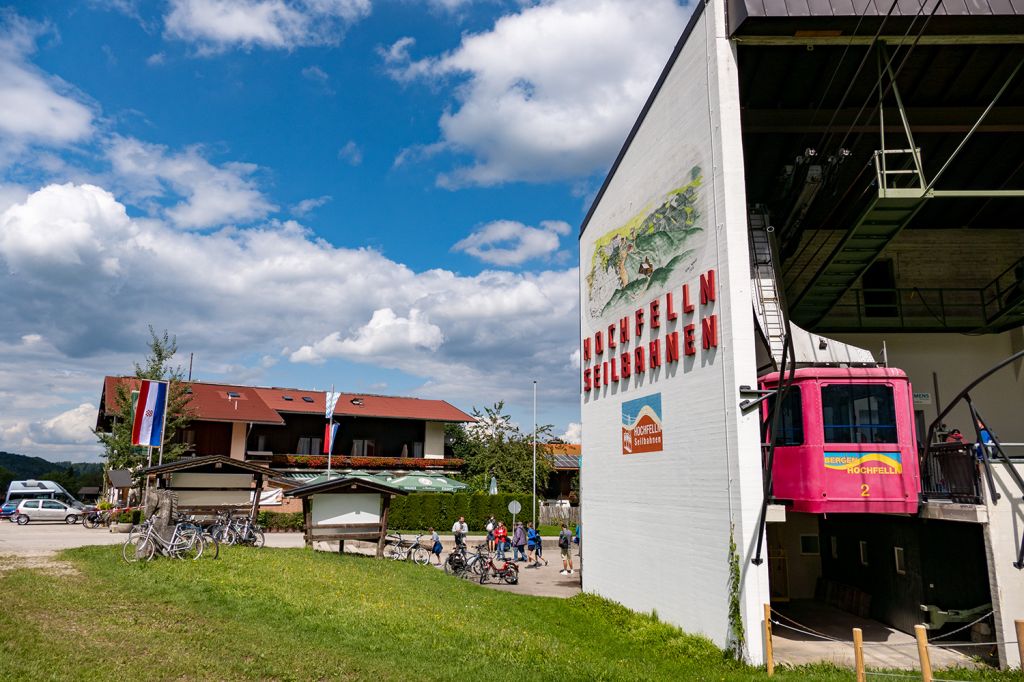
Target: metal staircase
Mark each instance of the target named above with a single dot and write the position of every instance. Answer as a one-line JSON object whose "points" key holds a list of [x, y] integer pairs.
{"points": [[768, 305]]}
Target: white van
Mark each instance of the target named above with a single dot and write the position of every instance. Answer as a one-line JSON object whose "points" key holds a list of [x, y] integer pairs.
{"points": [[32, 489]]}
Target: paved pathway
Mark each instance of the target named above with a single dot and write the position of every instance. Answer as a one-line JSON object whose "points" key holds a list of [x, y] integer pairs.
{"points": [[42, 540], [884, 647]]}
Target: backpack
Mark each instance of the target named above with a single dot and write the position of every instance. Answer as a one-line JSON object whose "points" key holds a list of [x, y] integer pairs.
{"points": [[563, 540]]}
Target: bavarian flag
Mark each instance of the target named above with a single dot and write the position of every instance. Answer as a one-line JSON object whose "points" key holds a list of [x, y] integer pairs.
{"points": [[148, 424]]}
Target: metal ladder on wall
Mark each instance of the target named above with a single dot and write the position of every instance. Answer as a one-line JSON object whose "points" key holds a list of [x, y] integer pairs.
{"points": [[766, 298]]}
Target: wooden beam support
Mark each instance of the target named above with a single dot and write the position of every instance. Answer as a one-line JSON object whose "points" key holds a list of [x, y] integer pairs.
{"points": [[307, 520], [386, 505]]}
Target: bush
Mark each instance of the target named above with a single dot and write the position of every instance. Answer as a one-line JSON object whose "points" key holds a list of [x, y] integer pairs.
{"points": [[419, 511], [133, 516]]}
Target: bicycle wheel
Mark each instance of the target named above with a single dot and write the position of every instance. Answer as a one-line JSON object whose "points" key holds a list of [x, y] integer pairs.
{"points": [[475, 565], [511, 575], [211, 548], [485, 576], [189, 545], [138, 547], [224, 535], [421, 556], [90, 521]]}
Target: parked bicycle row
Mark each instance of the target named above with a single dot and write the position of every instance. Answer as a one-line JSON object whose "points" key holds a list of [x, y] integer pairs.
{"points": [[189, 539]]}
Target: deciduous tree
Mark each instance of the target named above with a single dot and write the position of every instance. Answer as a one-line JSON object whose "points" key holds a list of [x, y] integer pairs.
{"points": [[156, 366]]}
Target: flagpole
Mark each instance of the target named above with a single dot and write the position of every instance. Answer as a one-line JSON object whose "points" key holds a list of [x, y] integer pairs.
{"points": [[330, 443], [535, 453], [163, 426]]}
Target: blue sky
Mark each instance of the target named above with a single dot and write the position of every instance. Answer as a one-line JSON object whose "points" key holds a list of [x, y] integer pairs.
{"points": [[382, 195]]}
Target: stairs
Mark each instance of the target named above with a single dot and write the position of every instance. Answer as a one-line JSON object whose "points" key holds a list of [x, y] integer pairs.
{"points": [[767, 300]]}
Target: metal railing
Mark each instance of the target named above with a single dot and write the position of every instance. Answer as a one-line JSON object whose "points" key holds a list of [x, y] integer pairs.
{"points": [[951, 472]]}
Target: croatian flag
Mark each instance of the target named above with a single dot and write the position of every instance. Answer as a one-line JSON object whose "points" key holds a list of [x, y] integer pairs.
{"points": [[148, 424], [329, 433]]}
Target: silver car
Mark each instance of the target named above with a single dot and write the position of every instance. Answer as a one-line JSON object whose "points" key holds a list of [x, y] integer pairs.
{"points": [[45, 510]]}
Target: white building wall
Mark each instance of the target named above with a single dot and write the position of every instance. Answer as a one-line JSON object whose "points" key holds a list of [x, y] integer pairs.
{"points": [[679, 504], [433, 442], [1003, 536], [956, 360]]}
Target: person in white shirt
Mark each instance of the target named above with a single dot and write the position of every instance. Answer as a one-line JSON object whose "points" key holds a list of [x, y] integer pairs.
{"points": [[460, 530]]}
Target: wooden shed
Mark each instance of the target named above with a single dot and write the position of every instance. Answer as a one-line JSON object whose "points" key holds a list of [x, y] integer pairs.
{"points": [[208, 485], [346, 508]]}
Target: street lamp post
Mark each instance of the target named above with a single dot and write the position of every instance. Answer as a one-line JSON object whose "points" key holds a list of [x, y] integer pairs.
{"points": [[535, 453]]}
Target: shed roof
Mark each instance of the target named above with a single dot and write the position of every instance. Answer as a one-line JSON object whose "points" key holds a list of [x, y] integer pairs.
{"points": [[219, 462], [119, 478], [88, 490], [345, 485]]}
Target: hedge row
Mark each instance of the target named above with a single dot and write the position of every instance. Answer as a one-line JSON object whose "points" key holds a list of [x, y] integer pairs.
{"points": [[280, 521], [419, 511]]}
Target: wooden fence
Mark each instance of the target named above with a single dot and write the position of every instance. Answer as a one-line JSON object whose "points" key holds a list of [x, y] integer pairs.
{"points": [[554, 515]]}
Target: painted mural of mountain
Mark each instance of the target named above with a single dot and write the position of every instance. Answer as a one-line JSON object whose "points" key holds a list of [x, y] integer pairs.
{"points": [[648, 251], [647, 415]]}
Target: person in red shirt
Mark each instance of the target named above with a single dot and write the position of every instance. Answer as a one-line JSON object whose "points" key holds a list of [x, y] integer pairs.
{"points": [[500, 538]]}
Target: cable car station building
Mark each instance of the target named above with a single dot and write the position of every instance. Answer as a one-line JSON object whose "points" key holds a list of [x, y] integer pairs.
{"points": [[794, 283]]}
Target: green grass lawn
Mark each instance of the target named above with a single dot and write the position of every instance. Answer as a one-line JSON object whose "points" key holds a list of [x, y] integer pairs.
{"points": [[290, 614]]}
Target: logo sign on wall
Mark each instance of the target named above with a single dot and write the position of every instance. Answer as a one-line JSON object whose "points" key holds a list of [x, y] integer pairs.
{"points": [[641, 425]]}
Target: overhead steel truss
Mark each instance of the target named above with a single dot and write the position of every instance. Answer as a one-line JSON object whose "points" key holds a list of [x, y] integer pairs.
{"points": [[902, 190]]}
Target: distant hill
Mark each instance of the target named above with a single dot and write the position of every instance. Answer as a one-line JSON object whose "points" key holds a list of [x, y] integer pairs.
{"points": [[23, 466]]}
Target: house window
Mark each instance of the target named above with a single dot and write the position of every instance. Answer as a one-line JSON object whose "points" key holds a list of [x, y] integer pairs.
{"points": [[261, 443], [307, 399], [417, 450], [835, 547], [858, 413], [363, 448], [809, 545], [901, 564], [863, 552], [234, 394]]}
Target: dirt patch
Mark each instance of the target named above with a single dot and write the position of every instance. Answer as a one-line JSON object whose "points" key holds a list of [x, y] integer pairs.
{"points": [[45, 562]]}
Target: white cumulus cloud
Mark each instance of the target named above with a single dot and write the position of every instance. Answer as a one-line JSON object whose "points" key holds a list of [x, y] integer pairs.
{"points": [[573, 433], [212, 195], [35, 107], [507, 242], [385, 334], [549, 92], [216, 25]]}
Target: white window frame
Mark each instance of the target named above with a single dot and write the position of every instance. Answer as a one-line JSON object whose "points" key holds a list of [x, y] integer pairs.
{"points": [[900, 557], [863, 552]]}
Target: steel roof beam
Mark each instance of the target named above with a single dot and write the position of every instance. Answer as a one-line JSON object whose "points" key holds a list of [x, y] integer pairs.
{"points": [[843, 41]]}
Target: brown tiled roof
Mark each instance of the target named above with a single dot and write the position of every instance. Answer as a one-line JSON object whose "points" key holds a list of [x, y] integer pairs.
{"points": [[210, 402], [364, 405], [563, 448], [262, 405]]}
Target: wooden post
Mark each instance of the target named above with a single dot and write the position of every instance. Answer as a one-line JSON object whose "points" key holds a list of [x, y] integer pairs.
{"points": [[341, 546], [256, 496], [769, 655], [858, 654], [922, 652], [307, 516], [1019, 624], [386, 504]]}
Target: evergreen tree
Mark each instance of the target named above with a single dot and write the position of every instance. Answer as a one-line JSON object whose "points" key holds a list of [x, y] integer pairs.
{"points": [[118, 450]]}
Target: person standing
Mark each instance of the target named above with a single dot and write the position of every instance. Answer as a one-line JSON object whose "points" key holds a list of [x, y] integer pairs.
{"points": [[519, 542], [565, 546], [460, 530], [490, 533], [500, 538], [540, 549], [435, 546]]}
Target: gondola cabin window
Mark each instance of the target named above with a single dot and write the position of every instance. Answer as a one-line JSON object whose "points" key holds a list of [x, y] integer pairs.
{"points": [[790, 430]]}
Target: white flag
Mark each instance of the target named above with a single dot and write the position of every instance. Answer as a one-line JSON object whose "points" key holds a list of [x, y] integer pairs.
{"points": [[332, 400]]}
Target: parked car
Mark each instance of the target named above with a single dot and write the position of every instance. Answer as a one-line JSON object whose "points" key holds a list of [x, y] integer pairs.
{"points": [[45, 510], [7, 511]]}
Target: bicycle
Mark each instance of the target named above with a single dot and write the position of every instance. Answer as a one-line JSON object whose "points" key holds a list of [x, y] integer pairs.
{"points": [[228, 530], [400, 549], [143, 544], [211, 548], [508, 571]]}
